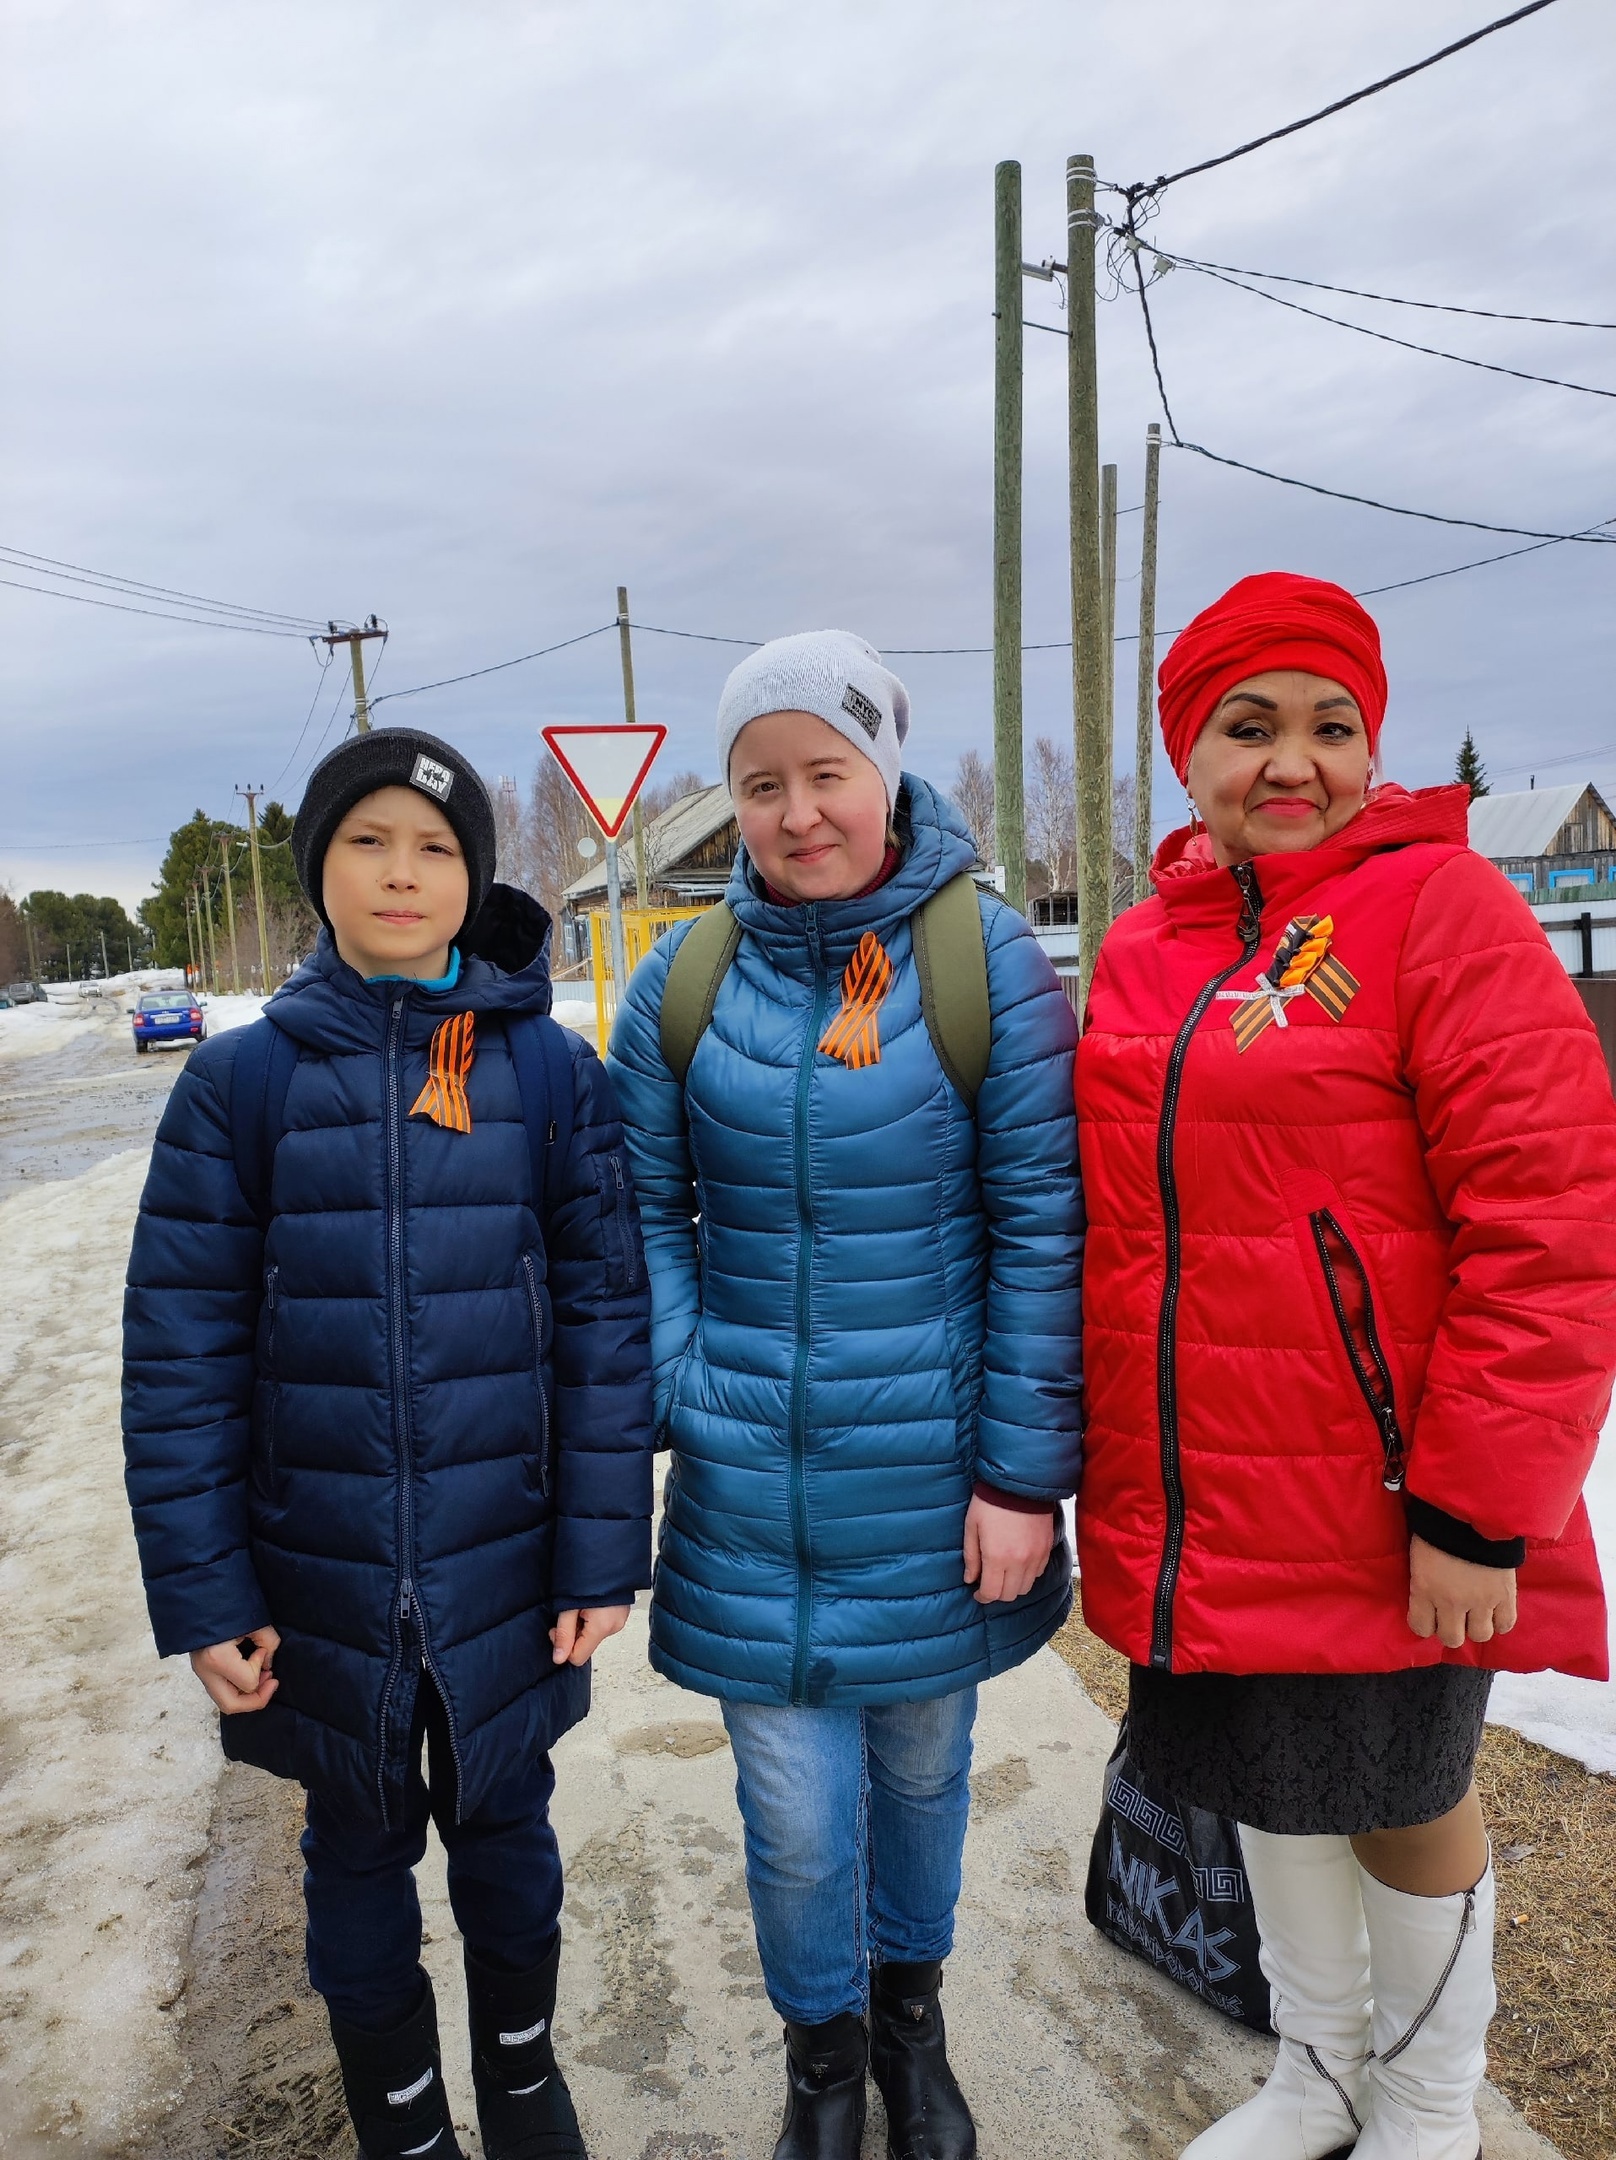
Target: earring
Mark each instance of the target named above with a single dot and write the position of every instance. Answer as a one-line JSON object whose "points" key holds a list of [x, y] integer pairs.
{"points": [[1195, 818]]}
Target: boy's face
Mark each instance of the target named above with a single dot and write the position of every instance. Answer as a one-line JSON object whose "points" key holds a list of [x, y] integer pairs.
{"points": [[812, 810], [395, 885]]}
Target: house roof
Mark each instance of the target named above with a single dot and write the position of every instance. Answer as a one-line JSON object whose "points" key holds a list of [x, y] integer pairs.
{"points": [[682, 828], [1508, 825]]}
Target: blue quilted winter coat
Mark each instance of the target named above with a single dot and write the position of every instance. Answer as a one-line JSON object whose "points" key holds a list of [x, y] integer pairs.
{"points": [[408, 1423], [863, 1300]]}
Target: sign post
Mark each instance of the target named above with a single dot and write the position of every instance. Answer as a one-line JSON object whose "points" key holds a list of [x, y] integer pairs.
{"points": [[607, 766]]}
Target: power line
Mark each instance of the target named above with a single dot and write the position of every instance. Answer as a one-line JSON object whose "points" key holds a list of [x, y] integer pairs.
{"points": [[1384, 337], [1355, 292], [81, 574], [1355, 97], [201, 622], [521, 660]]}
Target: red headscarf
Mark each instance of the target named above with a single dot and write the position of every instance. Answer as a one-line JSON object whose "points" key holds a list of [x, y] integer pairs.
{"points": [[1274, 620]]}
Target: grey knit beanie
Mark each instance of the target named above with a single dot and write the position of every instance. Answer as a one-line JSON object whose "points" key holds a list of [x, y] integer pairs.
{"points": [[832, 674]]}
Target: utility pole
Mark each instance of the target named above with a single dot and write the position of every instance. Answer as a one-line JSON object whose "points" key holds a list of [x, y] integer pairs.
{"points": [[1091, 731], [641, 867], [1144, 752], [213, 943], [252, 795], [106, 964], [33, 954], [191, 968], [355, 642], [230, 915], [1009, 840], [1108, 591]]}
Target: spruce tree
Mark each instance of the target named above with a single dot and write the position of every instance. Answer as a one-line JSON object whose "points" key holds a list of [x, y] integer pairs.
{"points": [[1469, 768]]}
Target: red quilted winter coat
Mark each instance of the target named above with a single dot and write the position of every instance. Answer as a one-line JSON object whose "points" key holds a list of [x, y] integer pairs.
{"points": [[1372, 1252]]}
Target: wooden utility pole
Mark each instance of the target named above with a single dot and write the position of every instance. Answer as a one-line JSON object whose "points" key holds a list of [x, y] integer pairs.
{"points": [[641, 867], [355, 642], [213, 943], [252, 795], [1144, 752], [1009, 837], [230, 915], [1108, 592], [1091, 730], [191, 968]]}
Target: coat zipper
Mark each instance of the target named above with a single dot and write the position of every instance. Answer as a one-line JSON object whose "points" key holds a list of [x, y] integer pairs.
{"points": [[1249, 930], [1382, 1401], [798, 1441], [271, 1299], [535, 1306], [625, 1233], [406, 1604]]}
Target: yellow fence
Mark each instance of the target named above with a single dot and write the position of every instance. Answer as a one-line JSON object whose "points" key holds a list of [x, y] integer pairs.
{"points": [[641, 929]]}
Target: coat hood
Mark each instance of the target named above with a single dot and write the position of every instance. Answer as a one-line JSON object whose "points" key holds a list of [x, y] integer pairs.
{"points": [[1193, 888], [504, 968]]}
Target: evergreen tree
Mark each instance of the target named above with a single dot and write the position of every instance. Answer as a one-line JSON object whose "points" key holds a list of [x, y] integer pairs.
{"points": [[1469, 768]]}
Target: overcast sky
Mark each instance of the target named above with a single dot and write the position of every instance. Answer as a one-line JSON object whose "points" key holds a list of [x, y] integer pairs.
{"points": [[467, 314]]}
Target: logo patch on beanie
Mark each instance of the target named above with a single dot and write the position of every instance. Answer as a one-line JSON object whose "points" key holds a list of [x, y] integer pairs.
{"points": [[431, 777], [867, 715]]}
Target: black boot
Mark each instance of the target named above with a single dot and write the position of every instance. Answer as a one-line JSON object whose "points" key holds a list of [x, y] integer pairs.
{"points": [[825, 2066], [927, 2118], [393, 2084], [524, 2109]]}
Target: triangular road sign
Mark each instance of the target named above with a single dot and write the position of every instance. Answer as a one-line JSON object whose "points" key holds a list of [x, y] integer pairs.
{"points": [[607, 765]]}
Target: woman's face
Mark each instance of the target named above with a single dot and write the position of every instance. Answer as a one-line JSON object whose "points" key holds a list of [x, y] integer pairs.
{"points": [[1282, 763], [812, 809]]}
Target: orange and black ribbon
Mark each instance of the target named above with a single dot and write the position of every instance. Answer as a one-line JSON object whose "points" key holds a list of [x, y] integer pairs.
{"points": [[1304, 963], [443, 1099], [853, 1035]]}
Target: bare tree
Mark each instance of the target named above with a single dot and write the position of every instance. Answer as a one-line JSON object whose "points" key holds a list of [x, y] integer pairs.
{"points": [[1052, 812], [1122, 801], [972, 795], [660, 795]]}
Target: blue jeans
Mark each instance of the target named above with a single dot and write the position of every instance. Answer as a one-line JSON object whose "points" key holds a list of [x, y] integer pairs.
{"points": [[364, 1933], [855, 1829]]}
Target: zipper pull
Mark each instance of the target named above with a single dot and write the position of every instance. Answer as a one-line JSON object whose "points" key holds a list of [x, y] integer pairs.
{"points": [[1249, 927], [404, 1601], [617, 1170], [1392, 1441]]}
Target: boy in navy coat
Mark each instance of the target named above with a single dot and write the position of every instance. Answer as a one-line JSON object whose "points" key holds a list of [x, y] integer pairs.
{"points": [[387, 1423]]}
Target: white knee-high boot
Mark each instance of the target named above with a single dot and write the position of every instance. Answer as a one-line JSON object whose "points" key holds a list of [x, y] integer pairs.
{"points": [[1315, 1953], [1432, 1964]]}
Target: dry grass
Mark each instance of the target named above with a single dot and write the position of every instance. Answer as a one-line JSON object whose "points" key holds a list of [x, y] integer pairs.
{"points": [[1552, 2047]]}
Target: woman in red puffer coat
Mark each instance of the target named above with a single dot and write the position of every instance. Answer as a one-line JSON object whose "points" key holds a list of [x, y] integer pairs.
{"points": [[1349, 1153]]}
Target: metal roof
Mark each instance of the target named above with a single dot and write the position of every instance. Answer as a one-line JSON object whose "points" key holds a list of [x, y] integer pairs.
{"points": [[1502, 826], [682, 828]]}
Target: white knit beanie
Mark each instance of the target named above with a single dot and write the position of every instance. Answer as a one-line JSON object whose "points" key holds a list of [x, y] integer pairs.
{"points": [[830, 673]]}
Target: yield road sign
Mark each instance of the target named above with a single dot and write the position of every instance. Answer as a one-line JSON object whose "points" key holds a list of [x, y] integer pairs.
{"points": [[607, 766]]}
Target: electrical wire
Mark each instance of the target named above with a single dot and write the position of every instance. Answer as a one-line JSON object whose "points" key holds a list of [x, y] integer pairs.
{"points": [[521, 660], [82, 574], [202, 622], [1355, 97], [319, 685], [1384, 337], [1355, 292]]}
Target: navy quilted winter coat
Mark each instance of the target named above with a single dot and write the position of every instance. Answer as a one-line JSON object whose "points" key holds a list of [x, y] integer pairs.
{"points": [[397, 1426], [863, 1299]]}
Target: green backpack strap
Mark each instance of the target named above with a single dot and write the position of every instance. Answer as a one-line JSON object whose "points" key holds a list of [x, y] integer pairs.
{"points": [[951, 959], [691, 985]]}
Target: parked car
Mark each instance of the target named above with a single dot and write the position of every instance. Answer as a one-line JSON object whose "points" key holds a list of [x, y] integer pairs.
{"points": [[26, 993], [168, 1016]]}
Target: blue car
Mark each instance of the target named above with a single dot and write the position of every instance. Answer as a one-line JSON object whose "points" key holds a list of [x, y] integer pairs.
{"points": [[168, 1016]]}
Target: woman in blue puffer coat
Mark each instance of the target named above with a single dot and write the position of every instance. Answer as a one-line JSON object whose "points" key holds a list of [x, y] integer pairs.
{"points": [[865, 1341]]}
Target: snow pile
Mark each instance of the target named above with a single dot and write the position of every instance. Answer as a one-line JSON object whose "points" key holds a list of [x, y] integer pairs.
{"points": [[110, 1759], [29, 1030], [1574, 1717], [231, 1012]]}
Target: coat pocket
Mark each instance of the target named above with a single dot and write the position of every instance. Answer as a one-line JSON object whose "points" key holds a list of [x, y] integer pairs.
{"points": [[1352, 1303], [268, 1405], [537, 1307], [619, 1234]]}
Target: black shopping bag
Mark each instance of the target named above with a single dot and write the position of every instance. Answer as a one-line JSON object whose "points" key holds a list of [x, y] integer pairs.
{"points": [[1167, 1882]]}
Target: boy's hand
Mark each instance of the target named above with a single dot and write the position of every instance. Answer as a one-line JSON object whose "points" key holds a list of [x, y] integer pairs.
{"points": [[576, 1636], [1006, 1550], [236, 1682], [1454, 1599]]}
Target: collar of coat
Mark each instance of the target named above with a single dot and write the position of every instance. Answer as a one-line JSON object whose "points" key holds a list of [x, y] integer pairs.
{"points": [[1198, 896]]}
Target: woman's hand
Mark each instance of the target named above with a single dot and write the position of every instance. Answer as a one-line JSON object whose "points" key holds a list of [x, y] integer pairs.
{"points": [[1455, 1599], [1006, 1549], [234, 1682], [577, 1635]]}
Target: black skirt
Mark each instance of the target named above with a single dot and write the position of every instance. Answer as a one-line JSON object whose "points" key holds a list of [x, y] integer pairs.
{"points": [[1311, 1754]]}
